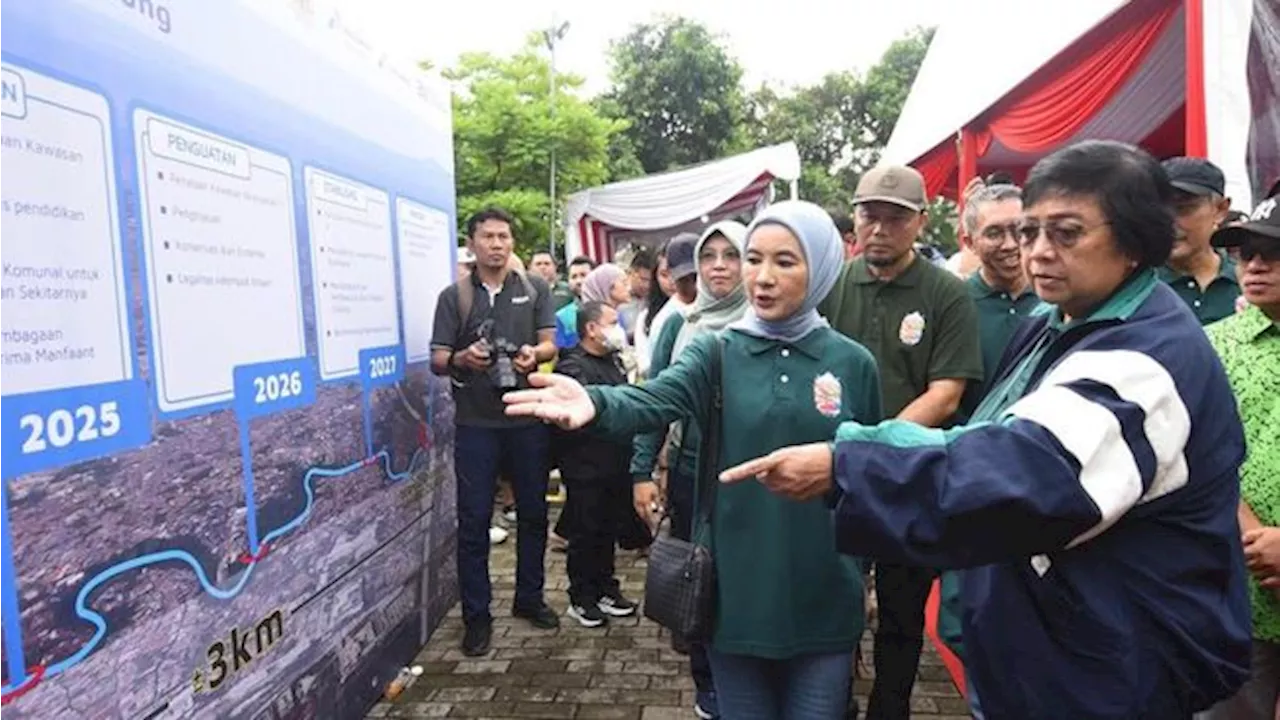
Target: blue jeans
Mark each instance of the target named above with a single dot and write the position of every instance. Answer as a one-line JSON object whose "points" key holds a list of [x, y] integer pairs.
{"points": [[975, 707], [522, 456], [807, 687]]}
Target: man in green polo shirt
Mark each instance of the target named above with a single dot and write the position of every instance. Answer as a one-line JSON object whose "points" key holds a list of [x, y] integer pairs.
{"points": [[1249, 345], [999, 288], [922, 327], [1205, 279], [1004, 298]]}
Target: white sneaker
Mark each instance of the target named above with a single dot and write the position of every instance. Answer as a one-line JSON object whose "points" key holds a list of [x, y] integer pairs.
{"points": [[497, 535], [587, 616], [509, 514]]}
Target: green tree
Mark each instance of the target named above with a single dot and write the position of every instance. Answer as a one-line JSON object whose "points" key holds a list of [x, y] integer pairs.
{"points": [[679, 90], [623, 163], [503, 133], [842, 123]]}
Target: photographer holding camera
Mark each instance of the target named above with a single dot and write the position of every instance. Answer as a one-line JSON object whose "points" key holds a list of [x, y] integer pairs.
{"points": [[492, 328]]}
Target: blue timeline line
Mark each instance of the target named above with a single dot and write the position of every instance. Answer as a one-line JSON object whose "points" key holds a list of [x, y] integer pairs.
{"points": [[12, 619], [13, 636], [250, 500]]}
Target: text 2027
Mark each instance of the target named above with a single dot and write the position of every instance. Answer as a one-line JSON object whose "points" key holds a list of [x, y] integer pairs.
{"points": [[382, 366], [61, 427]]}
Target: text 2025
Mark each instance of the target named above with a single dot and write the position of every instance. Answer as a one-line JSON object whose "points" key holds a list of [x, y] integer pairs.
{"points": [[62, 427]]}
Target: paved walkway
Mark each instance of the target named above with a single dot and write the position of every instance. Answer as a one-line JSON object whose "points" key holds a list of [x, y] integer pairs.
{"points": [[627, 671]]}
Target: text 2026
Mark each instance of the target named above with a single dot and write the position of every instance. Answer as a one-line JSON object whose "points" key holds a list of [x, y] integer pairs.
{"points": [[277, 386]]}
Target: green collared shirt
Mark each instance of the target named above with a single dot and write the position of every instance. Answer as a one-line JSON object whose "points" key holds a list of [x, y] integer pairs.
{"points": [[999, 315], [921, 326], [1249, 345], [783, 590], [561, 295], [1216, 301]]}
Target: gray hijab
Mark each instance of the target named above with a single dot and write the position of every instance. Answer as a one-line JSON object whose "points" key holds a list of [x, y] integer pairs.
{"points": [[824, 255], [709, 313]]}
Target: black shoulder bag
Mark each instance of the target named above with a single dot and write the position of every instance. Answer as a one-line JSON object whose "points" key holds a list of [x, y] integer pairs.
{"points": [[680, 585]]}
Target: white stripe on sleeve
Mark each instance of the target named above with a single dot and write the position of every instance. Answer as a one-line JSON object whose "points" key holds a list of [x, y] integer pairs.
{"points": [[1091, 433], [1140, 380]]}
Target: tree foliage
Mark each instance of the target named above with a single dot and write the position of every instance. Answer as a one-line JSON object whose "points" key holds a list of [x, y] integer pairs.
{"points": [[503, 133], [841, 123], [679, 90], [676, 100]]}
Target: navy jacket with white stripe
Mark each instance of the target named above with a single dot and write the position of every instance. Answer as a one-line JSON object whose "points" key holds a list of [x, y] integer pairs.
{"points": [[1097, 512]]}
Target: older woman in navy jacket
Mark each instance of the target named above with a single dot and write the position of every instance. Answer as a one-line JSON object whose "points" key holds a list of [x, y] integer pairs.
{"points": [[1094, 493]]}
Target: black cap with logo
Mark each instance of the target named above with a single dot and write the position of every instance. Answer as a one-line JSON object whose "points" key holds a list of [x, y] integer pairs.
{"points": [[1264, 221], [1196, 176]]}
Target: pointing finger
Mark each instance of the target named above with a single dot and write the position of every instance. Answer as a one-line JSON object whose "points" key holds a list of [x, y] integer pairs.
{"points": [[748, 469]]}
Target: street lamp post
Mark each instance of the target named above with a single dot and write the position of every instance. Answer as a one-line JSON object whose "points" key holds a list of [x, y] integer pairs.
{"points": [[551, 36]]}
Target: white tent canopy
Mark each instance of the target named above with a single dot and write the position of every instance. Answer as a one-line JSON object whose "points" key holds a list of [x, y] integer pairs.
{"points": [[654, 205]]}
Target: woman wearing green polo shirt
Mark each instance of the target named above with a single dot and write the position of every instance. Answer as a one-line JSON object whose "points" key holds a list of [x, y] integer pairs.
{"points": [[789, 607]]}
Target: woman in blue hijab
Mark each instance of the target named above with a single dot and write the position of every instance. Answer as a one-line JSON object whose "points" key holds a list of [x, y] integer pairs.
{"points": [[789, 608]]}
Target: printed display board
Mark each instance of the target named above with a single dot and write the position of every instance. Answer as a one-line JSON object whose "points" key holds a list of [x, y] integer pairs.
{"points": [[228, 482]]}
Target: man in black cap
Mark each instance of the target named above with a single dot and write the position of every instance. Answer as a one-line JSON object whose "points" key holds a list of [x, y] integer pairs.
{"points": [[1205, 279], [1249, 345]]}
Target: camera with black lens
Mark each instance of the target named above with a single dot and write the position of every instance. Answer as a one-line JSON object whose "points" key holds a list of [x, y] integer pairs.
{"points": [[503, 371]]}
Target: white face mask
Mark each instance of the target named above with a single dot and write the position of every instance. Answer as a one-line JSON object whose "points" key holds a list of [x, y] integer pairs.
{"points": [[614, 338]]}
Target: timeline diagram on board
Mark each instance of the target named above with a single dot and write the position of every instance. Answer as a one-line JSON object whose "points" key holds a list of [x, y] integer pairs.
{"points": [[215, 407]]}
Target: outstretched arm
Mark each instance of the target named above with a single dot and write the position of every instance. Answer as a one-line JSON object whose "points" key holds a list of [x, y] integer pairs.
{"points": [[619, 412], [1101, 436]]}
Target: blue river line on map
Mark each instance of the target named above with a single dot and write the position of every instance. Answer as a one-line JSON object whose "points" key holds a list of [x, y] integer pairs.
{"points": [[91, 616]]}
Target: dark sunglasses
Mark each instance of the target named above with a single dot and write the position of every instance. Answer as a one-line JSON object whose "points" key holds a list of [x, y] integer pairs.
{"points": [[1268, 250], [1064, 235]]}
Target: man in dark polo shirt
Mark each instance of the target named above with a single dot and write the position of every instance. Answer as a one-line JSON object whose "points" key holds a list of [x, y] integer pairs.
{"points": [[1204, 278], [999, 288], [492, 328], [921, 326], [1004, 298]]}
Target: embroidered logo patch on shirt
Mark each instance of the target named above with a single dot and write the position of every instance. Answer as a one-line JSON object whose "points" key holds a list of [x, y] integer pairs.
{"points": [[827, 394], [912, 329]]}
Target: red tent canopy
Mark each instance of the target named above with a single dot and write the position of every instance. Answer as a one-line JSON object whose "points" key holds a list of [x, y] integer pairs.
{"points": [[1124, 79]]}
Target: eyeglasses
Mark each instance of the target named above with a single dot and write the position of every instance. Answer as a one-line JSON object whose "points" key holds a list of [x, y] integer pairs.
{"points": [[723, 256], [1269, 251], [998, 233], [1063, 236]]}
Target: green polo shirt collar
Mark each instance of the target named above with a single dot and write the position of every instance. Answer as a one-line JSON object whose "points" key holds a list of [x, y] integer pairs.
{"points": [[810, 345], [1226, 270], [910, 277], [1122, 304], [1254, 323], [1215, 301], [982, 290]]}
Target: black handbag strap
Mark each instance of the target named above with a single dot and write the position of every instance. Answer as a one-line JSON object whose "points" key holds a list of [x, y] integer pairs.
{"points": [[709, 467]]}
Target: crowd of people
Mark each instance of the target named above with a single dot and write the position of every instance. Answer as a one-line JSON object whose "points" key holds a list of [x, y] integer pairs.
{"points": [[1074, 423]]}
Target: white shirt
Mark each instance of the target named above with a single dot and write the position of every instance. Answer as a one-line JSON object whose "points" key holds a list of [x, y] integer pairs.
{"points": [[644, 346]]}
